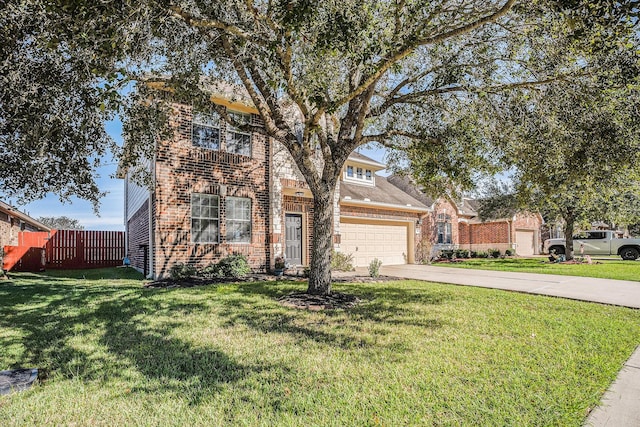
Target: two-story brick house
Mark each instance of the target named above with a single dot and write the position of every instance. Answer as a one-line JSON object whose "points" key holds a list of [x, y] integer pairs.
{"points": [[217, 191]]}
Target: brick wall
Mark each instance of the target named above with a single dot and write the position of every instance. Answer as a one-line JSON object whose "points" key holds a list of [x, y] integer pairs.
{"points": [[182, 169], [445, 207], [138, 235], [9, 228]]}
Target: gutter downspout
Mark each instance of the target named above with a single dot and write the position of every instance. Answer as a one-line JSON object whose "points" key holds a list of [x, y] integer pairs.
{"points": [[151, 201]]}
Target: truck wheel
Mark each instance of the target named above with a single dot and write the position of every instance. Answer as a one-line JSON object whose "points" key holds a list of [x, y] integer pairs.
{"points": [[559, 250], [629, 254]]}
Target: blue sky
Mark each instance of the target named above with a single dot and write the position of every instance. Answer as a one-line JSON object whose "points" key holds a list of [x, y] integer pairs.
{"points": [[111, 214], [111, 206]]}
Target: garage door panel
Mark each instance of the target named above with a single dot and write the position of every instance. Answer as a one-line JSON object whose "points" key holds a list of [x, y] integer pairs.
{"points": [[365, 242], [525, 242]]}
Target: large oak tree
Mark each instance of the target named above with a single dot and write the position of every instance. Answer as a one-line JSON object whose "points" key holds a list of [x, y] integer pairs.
{"points": [[395, 72]]}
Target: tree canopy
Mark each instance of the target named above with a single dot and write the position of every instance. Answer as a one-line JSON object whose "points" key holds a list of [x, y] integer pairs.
{"points": [[325, 77], [61, 222]]}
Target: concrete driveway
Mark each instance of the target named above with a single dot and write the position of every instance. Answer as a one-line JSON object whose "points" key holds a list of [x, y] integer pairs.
{"points": [[606, 291]]}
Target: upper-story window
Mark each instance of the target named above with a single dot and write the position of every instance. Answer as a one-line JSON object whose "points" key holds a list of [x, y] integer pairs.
{"points": [[238, 141], [359, 174], [205, 131]]}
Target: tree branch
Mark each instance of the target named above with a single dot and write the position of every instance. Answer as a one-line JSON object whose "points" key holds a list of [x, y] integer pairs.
{"points": [[407, 50]]}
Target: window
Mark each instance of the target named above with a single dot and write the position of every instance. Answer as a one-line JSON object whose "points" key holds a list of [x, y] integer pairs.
{"points": [[205, 131], [239, 142], [350, 171], [204, 218], [443, 229], [369, 175], [238, 220], [359, 173]]}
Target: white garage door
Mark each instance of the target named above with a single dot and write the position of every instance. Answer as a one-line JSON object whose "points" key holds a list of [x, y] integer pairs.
{"points": [[525, 243], [365, 242]]}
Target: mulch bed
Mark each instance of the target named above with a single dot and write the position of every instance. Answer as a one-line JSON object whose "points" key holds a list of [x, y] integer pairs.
{"points": [[199, 281], [304, 301]]}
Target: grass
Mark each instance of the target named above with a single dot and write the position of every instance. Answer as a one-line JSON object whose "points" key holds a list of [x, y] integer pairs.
{"points": [[415, 353], [604, 269]]}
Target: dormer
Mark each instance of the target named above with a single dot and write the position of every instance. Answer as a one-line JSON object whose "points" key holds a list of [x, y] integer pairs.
{"points": [[360, 169]]}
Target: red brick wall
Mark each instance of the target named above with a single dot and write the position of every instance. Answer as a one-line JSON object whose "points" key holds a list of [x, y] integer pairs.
{"points": [[182, 169], [138, 234]]}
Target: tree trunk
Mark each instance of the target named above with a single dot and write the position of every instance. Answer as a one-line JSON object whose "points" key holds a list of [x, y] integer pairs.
{"points": [[322, 244], [569, 224]]}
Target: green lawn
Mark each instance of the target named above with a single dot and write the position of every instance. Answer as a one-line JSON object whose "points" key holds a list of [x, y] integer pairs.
{"points": [[415, 353], [605, 269]]}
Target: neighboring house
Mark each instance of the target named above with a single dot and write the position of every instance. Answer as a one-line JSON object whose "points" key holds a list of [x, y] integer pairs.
{"points": [[12, 221], [457, 225], [218, 191]]}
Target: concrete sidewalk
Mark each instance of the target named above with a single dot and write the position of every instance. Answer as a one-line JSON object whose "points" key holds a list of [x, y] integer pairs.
{"points": [[606, 291], [620, 406]]}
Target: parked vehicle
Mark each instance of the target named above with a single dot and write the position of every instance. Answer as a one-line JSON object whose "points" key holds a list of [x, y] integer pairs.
{"points": [[597, 242]]}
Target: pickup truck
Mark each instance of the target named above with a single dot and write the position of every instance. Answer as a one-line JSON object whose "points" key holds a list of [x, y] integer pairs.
{"points": [[597, 242]]}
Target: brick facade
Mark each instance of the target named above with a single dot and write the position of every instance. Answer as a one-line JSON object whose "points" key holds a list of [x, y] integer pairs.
{"points": [[498, 234], [9, 228], [182, 169]]}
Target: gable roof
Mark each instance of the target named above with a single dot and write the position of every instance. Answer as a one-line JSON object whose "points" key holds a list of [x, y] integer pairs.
{"points": [[407, 185], [361, 158], [383, 194]]}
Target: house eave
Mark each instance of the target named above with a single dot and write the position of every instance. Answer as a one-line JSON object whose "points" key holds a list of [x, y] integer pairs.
{"points": [[385, 206]]}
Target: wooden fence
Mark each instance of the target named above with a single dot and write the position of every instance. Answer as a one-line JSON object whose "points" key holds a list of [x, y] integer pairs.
{"points": [[65, 249]]}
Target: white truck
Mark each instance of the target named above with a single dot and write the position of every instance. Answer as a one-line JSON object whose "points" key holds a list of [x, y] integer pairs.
{"points": [[597, 242]]}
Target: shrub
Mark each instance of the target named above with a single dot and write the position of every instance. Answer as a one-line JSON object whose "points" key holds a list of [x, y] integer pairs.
{"points": [[341, 261], [509, 252], [482, 254], [494, 253], [182, 271], [446, 254], [462, 253], [374, 267], [232, 266]]}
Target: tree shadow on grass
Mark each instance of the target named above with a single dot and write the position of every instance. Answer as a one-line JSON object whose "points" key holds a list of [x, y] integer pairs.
{"points": [[383, 309], [102, 333]]}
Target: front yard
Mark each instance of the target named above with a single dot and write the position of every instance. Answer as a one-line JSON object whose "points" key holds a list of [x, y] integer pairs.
{"points": [[414, 353], [604, 269]]}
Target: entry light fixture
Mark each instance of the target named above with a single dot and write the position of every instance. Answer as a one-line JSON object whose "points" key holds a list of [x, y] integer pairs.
{"points": [[299, 193]]}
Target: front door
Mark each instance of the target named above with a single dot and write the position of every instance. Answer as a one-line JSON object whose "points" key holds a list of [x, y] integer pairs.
{"points": [[293, 238]]}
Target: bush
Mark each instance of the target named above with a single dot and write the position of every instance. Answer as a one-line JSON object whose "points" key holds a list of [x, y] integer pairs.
{"points": [[509, 252], [494, 253], [232, 266], [235, 266], [462, 253], [374, 267], [446, 254], [341, 261], [482, 254], [182, 271]]}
